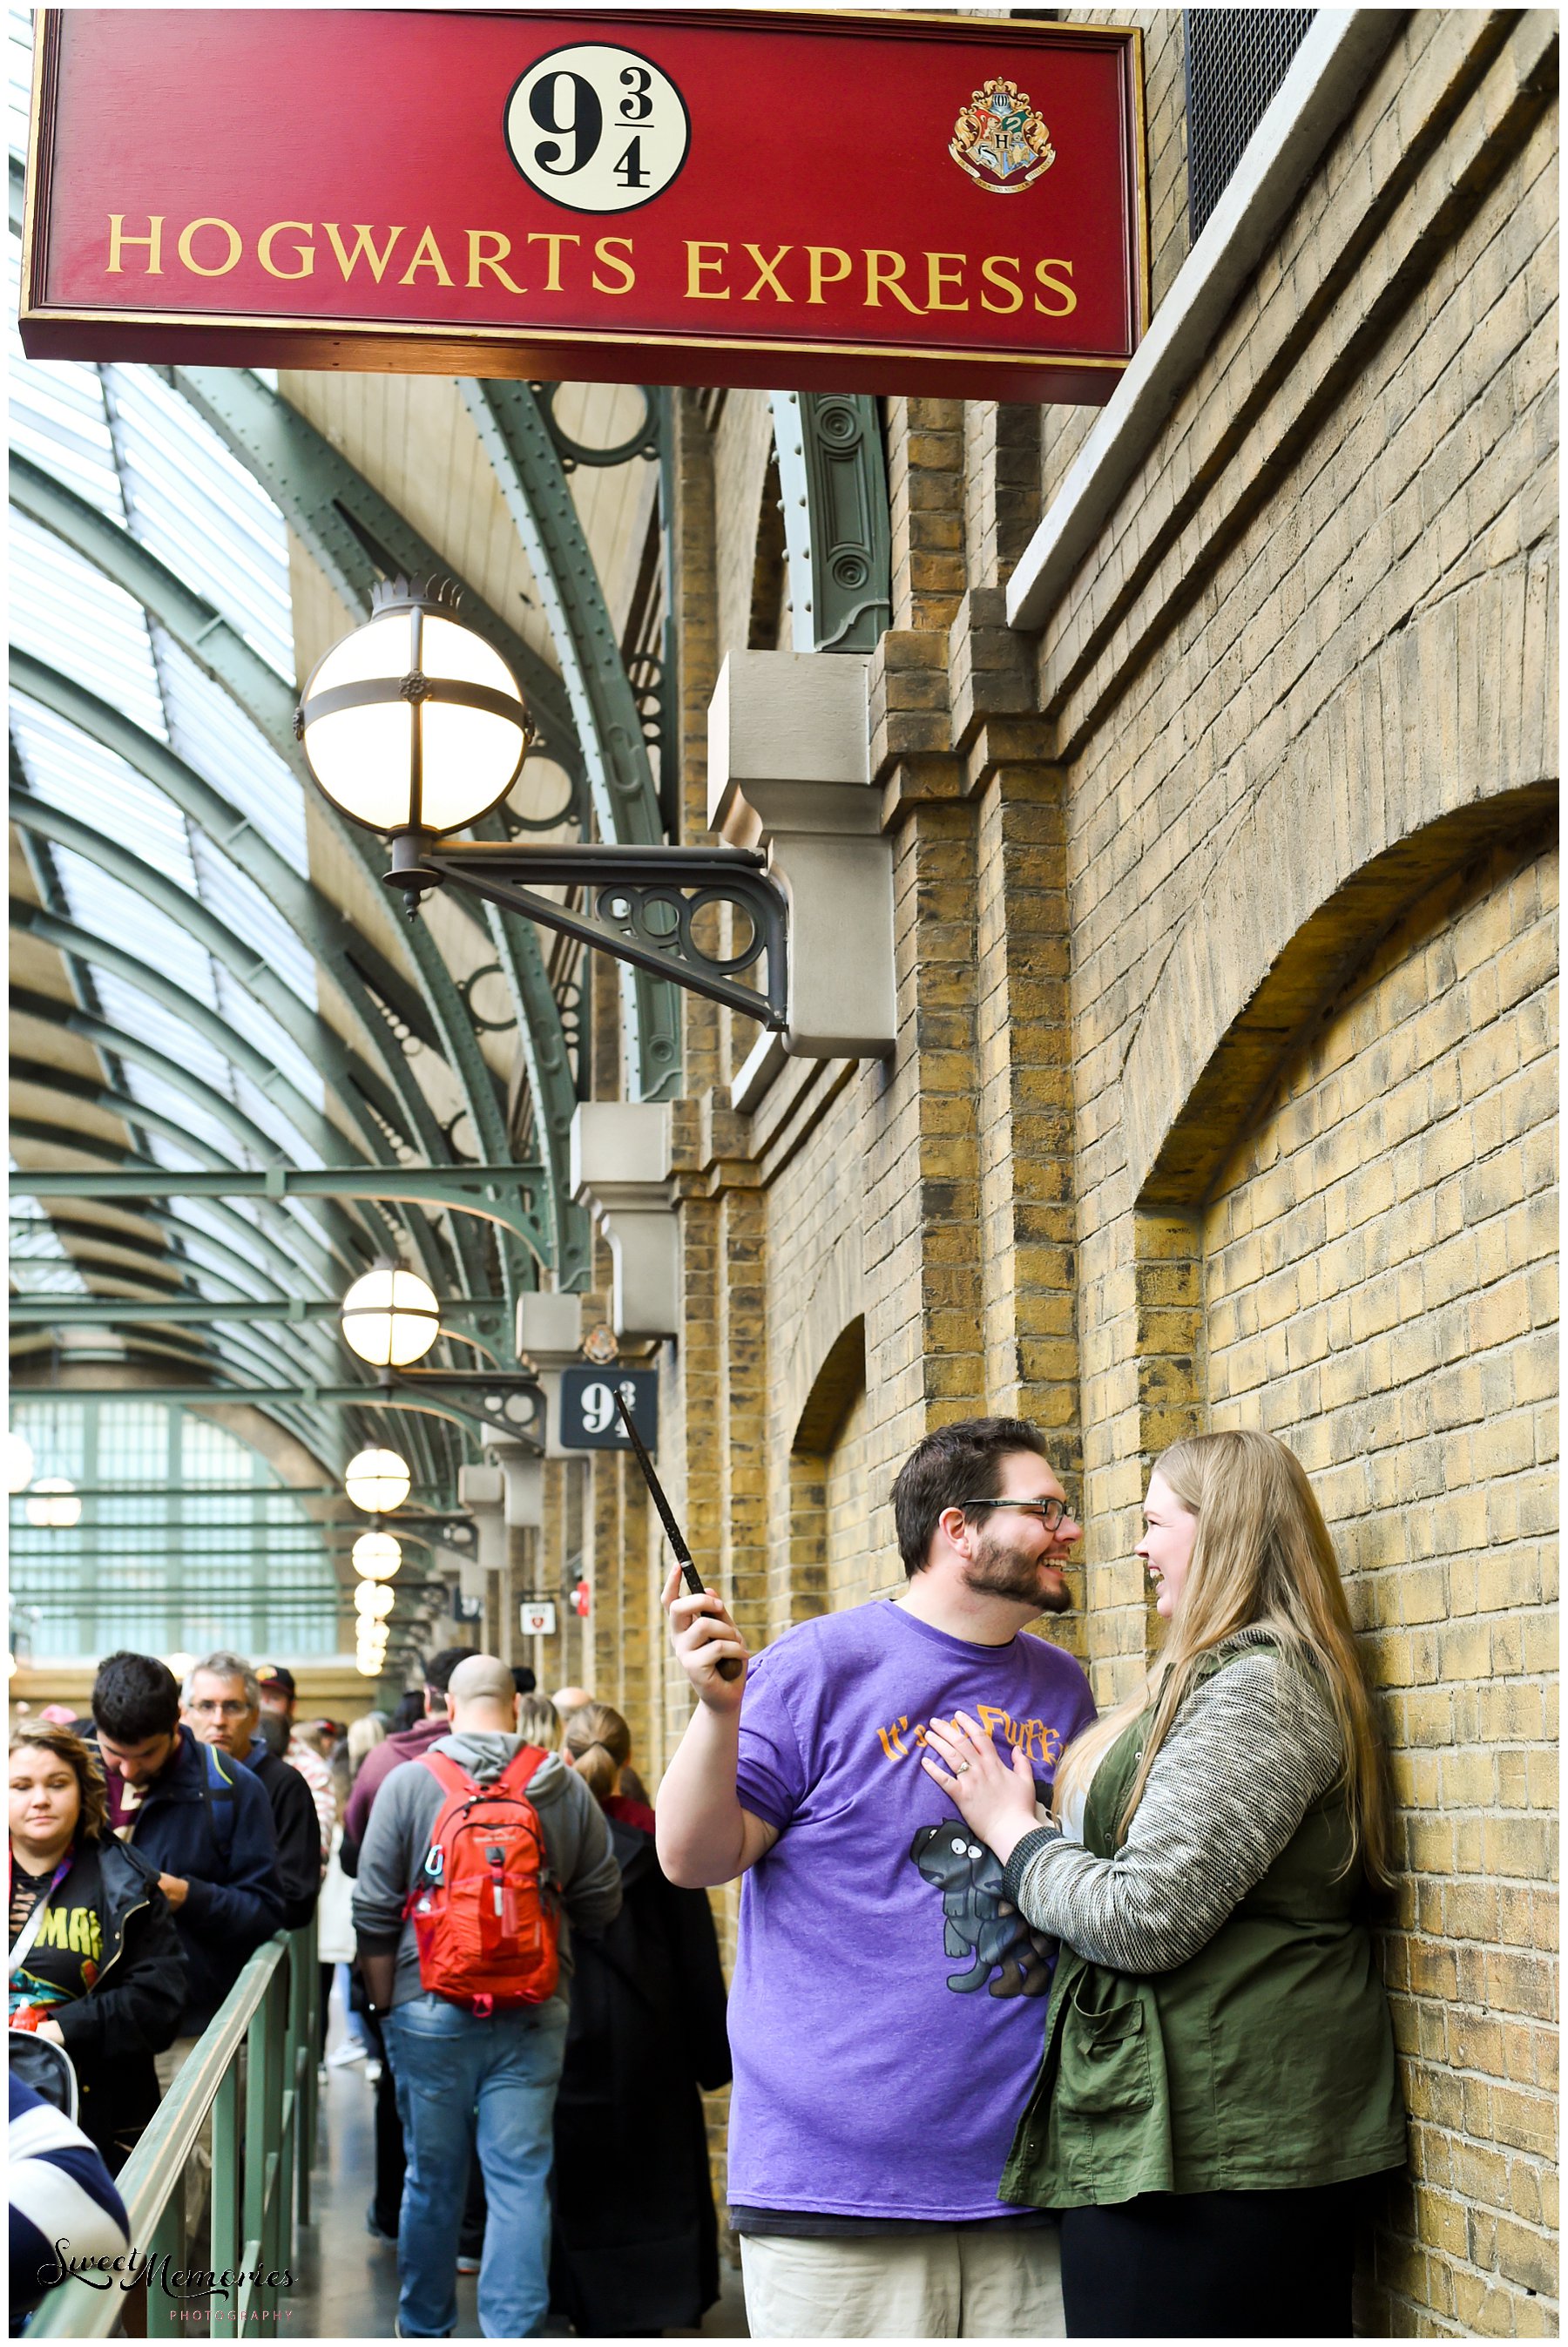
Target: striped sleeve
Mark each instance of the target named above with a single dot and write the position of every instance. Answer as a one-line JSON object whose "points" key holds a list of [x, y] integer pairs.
{"points": [[63, 2203], [1250, 1752]]}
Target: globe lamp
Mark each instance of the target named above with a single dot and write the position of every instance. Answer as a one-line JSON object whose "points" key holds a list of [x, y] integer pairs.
{"points": [[53, 1501], [18, 1462], [414, 723], [377, 1480], [371, 1598], [376, 1556], [390, 1317]]}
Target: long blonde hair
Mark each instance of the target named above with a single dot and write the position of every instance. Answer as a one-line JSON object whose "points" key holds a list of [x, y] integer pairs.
{"points": [[1262, 1560], [599, 1743]]}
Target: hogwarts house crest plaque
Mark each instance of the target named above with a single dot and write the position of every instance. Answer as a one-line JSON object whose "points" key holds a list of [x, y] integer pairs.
{"points": [[1000, 141]]}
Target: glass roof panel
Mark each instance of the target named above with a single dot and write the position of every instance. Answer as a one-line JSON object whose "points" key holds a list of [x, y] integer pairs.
{"points": [[38, 1261], [72, 618]]}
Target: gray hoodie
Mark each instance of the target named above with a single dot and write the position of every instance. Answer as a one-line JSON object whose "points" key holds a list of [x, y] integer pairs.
{"points": [[577, 1846]]}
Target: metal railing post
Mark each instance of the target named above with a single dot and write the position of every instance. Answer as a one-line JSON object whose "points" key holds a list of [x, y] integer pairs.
{"points": [[226, 2241]]}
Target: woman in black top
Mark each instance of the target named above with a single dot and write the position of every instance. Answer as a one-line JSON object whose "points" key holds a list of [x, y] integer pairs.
{"points": [[95, 1960], [636, 2246]]}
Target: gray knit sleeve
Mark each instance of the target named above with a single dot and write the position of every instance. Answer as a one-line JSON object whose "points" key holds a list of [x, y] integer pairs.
{"points": [[1250, 1752]]}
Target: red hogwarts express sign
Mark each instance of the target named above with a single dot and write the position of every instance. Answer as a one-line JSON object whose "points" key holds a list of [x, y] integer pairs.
{"points": [[880, 203]]}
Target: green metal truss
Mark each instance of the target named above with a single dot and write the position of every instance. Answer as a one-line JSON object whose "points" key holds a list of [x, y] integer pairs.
{"points": [[357, 537], [527, 462], [221, 652]]}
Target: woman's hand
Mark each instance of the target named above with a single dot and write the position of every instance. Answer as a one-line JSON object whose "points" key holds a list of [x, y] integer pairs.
{"points": [[994, 1797], [52, 2031]]}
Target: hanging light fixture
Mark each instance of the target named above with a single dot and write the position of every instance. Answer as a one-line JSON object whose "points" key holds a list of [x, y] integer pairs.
{"points": [[18, 1462], [181, 1665], [390, 1317], [377, 1480], [53, 1503], [369, 1667], [413, 723], [376, 1556], [371, 1598]]}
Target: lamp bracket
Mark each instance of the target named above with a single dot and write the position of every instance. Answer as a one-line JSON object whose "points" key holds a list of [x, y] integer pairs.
{"points": [[643, 903], [507, 1403]]}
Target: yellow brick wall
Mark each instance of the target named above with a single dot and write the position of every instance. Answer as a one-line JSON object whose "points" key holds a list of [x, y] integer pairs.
{"points": [[1380, 1293]]}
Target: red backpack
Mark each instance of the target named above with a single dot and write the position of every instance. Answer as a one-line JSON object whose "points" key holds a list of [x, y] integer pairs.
{"points": [[485, 1907]]}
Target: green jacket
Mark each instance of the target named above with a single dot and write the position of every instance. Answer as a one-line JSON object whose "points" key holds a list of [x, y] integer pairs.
{"points": [[1266, 2061]]}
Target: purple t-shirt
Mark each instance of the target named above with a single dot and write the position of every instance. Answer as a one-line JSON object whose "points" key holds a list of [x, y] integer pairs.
{"points": [[888, 2010]]}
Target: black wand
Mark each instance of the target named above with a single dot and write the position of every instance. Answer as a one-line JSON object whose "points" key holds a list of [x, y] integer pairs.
{"points": [[730, 1666]]}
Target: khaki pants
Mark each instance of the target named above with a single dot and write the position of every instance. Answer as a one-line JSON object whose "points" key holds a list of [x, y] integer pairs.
{"points": [[947, 2281]]}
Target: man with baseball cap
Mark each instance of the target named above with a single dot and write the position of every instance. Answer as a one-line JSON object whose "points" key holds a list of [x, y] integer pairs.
{"points": [[279, 1695]]}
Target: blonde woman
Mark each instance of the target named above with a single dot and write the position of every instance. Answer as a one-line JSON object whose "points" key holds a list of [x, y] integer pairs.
{"points": [[1219, 2062]]}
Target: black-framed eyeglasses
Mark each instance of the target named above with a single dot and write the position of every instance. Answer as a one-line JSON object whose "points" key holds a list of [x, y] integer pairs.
{"points": [[1050, 1512]]}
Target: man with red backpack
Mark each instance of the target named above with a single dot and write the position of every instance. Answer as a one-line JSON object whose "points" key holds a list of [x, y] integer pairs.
{"points": [[479, 1858]]}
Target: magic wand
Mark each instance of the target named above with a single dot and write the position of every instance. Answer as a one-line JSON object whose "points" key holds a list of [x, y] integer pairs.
{"points": [[730, 1666]]}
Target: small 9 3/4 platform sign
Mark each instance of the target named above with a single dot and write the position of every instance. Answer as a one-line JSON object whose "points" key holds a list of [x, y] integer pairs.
{"points": [[589, 1418], [774, 198]]}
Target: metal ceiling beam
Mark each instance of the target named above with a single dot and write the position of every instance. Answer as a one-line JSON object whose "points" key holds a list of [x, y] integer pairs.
{"points": [[298, 1244], [386, 1007], [221, 651], [315, 487], [102, 1311], [315, 920], [527, 466], [405, 1398], [502, 1195], [364, 1098]]}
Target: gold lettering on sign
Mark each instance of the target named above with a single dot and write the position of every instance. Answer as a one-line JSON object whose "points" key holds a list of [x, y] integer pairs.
{"points": [[364, 241], [491, 261], [555, 242], [305, 254], [989, 267], [879, 278], [940, 267], [602, 253], [187, 247], [697, 268], [118, 241], [1069, 302], [766, 276], [427, 255], [816, 254]]}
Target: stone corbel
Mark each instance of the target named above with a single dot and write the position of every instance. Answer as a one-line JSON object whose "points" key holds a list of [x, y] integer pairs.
{"points": [[789, 773], [619, 1170]]}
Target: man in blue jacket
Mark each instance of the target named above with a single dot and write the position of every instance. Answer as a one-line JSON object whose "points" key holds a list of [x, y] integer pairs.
{"points": [[202, 1820]]}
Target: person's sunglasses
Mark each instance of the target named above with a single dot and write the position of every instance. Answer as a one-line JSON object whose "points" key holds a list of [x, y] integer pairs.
{"points": [[1050, 1512]]}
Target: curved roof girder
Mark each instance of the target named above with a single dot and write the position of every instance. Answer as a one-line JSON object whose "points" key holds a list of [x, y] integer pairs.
{"points": [[346, 524], [314, 1129], [533, 483], [358, 1088], [313, 918], [312, 484], [255, 1250], [221, 652], [347, 1247]]}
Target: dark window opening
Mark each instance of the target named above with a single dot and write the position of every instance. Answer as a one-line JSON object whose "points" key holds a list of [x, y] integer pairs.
{"points": [[1236, 60]]}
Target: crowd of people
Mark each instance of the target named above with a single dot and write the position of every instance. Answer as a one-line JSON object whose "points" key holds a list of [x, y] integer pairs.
{"points": [[1041, 2022]]}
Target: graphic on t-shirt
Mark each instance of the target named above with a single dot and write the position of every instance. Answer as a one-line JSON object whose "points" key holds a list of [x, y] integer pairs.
{"points": [[981, 1924]]}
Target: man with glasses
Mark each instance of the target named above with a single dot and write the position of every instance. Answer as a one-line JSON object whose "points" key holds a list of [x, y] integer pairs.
{"points": [[202, 1819], [888, 2004], [223, 1708]]}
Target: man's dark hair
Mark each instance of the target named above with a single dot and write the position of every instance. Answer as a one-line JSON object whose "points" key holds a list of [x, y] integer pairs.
{"points": [[523, 1679], [409, 1712], [953, 1463], [134, 1697], [439, 1670]]}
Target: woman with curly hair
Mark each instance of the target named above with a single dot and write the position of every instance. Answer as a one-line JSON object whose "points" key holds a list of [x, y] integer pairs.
{"points": [[95, 1959], [1219, 2073]]}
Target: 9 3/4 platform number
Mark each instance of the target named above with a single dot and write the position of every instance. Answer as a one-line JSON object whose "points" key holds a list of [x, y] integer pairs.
{"points": [[596, 128]]}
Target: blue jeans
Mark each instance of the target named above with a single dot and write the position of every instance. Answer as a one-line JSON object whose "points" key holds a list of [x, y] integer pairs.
{"points": [[454, 2076]]}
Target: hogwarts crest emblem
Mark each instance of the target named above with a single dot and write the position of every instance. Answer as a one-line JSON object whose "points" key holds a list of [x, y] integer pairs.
{"points": [[1000, 139]]}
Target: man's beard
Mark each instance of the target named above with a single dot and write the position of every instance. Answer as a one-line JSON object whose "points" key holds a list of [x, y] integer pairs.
{"points": [[998, 1570]]}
